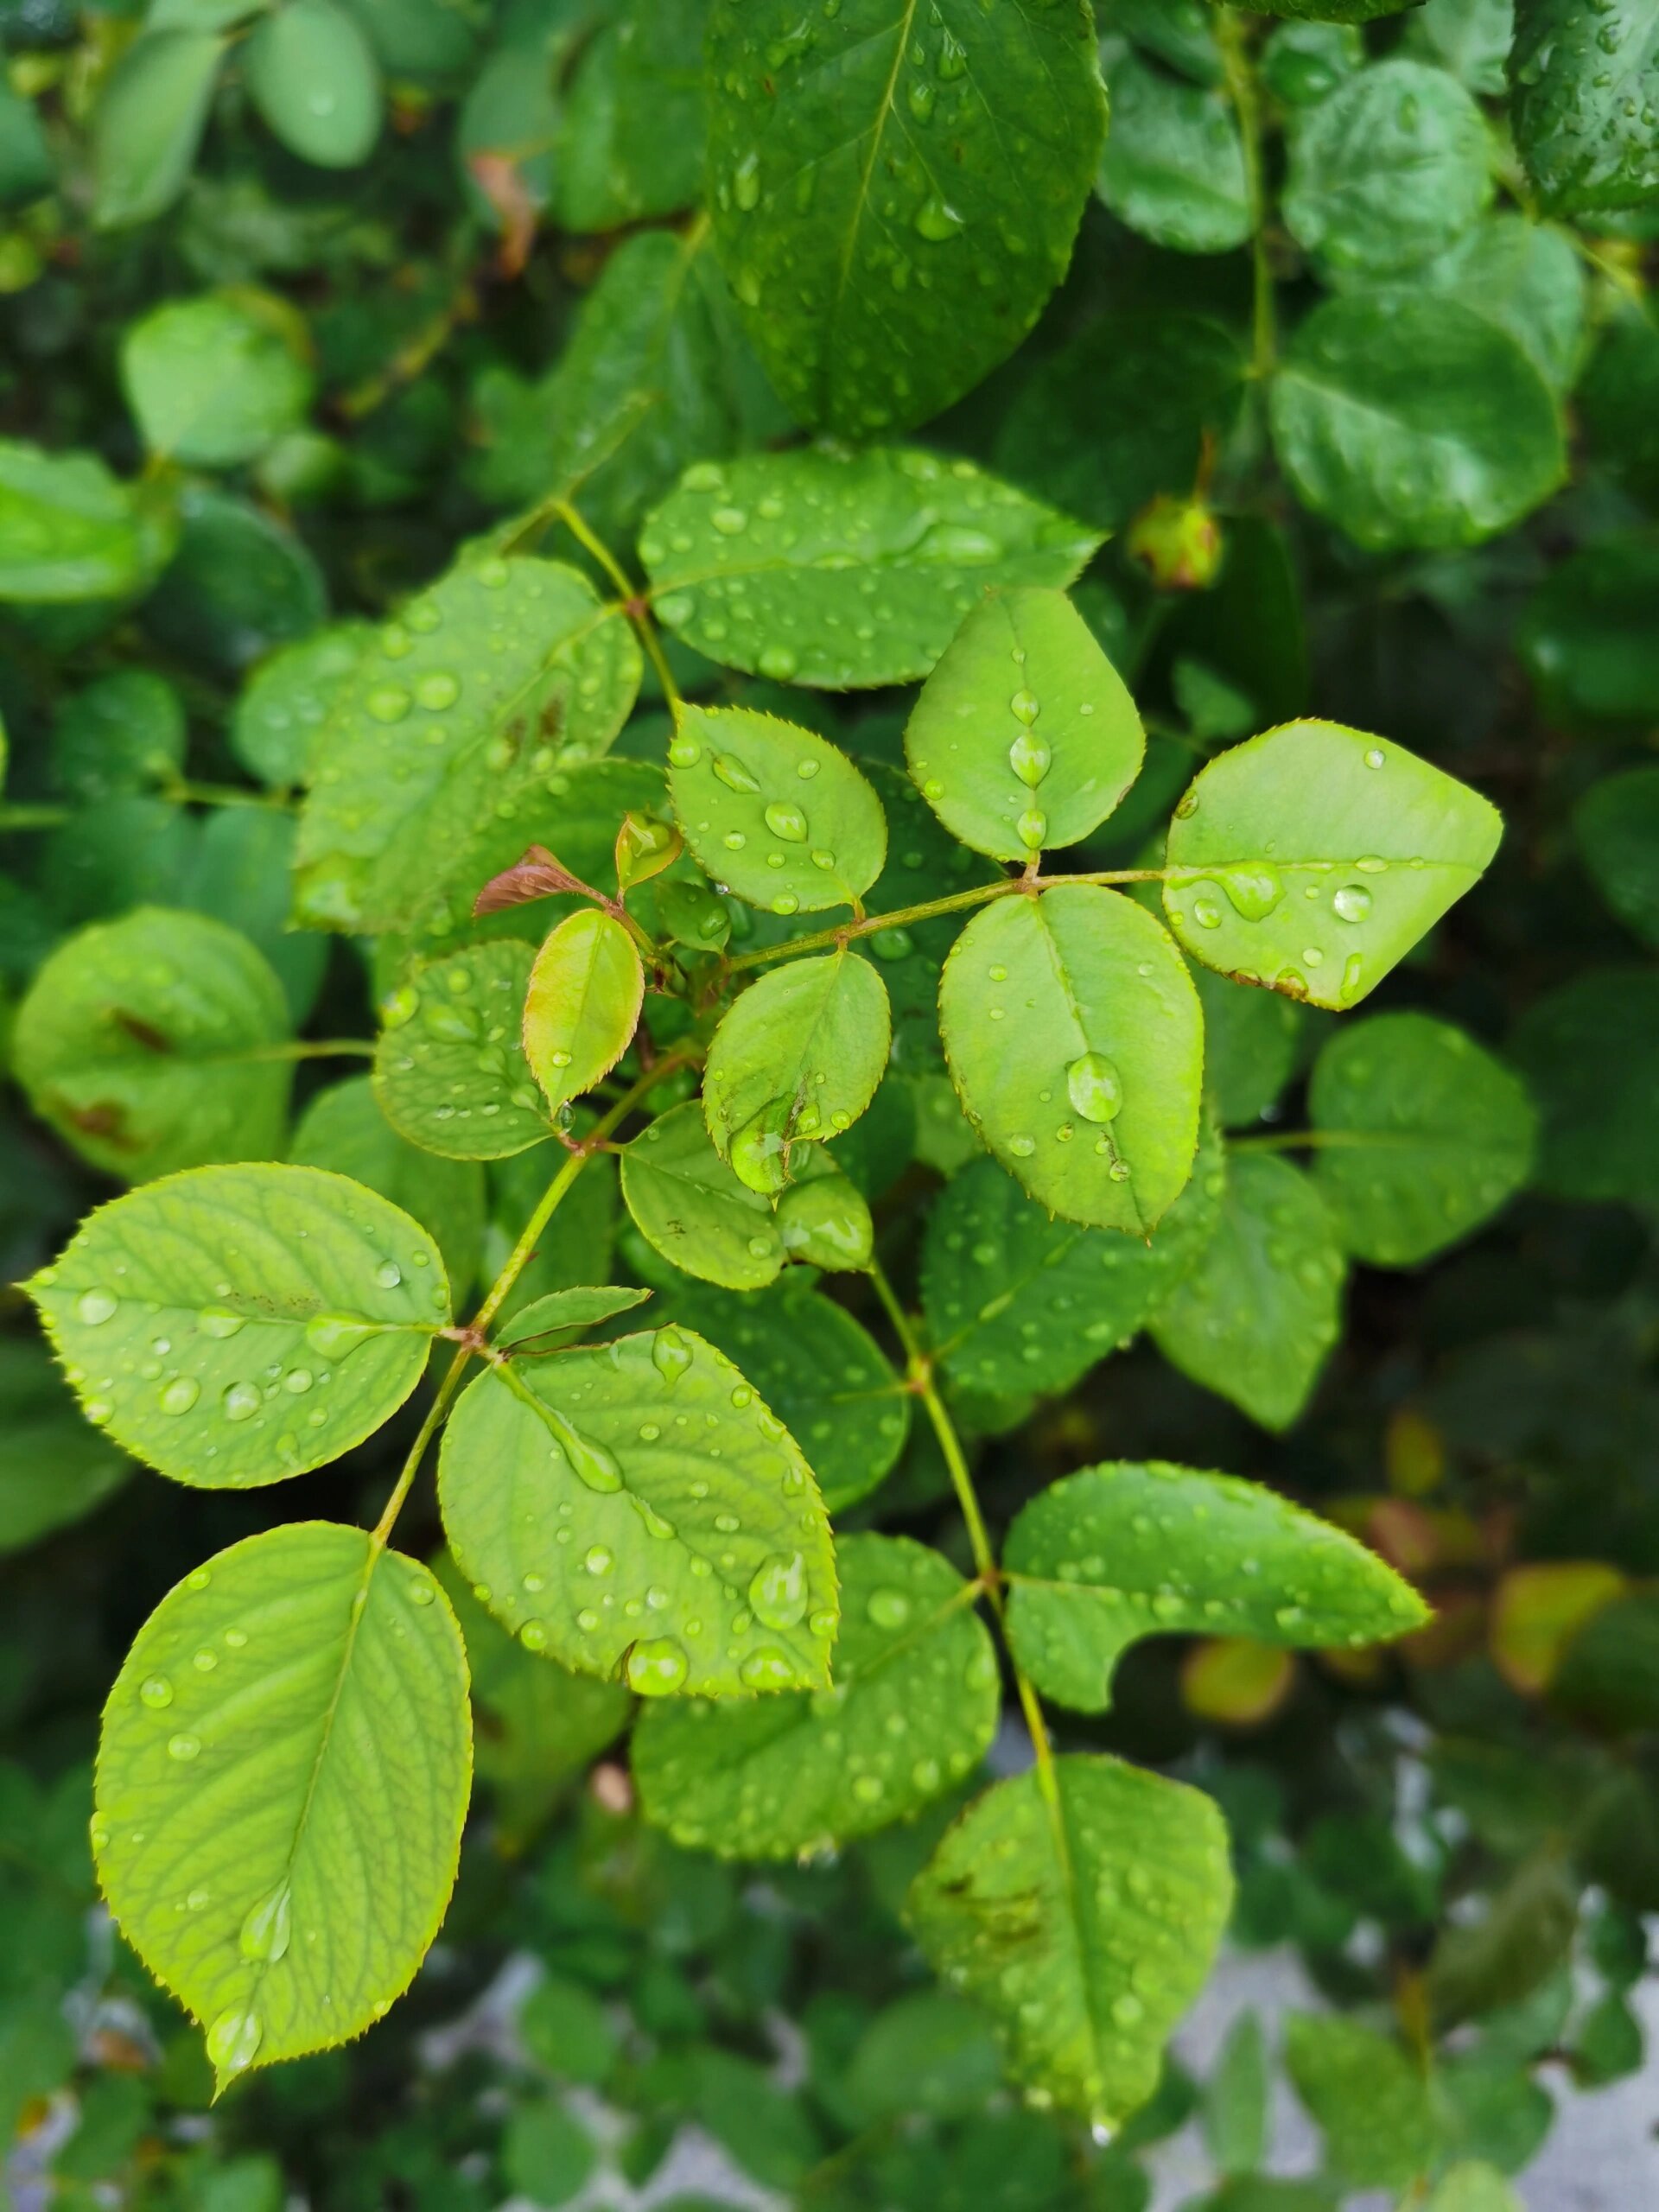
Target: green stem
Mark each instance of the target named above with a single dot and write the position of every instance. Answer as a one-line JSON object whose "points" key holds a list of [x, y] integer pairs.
{"points": [[920, 1370], [1242, 90], [1323, 1140], [313, 1048], [866, 925], [633, 604], [516, 1261], [183, 792], [35, 817]]}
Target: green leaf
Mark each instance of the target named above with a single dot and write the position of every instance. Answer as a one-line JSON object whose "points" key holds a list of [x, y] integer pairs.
{"points": [[1412, 420], [824, 1216], [576, 1245], [1471, 38], [773, 811], [1589, 1054], [26, 168], [690, 1206], [1235, 2115], [235, 1325], [499, 676], [1122, 412], [1173, 168], [1302, 62], [155, 1042], [1422, 1136], [1103, 1558], [289, 698], [1084, 1930], [1588, 640], [238, 874], [1528, 278], [214, 380], [1371, 2104], [510, 114], [585, 989], [1255, 1320], [1076, 1042], [796, 1060], [635, 1510], [68, 531], [1582, 86], [54, 1470], [1617, 826], [1313, 858], [1388, 171], [881, 175], [1251, 1043], [148, 121], [563, 1314], [1024, 736], [913, 1710], [449, 1065], [1619, 401], [344, 1129], [1328, 11], [821, 1372], [314, 79], [239, 585], [281, 1778], [123, 733], [633, 136], [1016, 1301], [823, 566], [1473, 2186]]}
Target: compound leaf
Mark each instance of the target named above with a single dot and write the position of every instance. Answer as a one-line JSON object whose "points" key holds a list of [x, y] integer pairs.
{"points": [[1024, 736], [1075, 1039], [796, 1060], [1104, 1557], [824, 566], [1017, 1301], [502, 673], [1255, 1320], [449, 1065], [635, 1510], [773, 811], [585, 989], [1313, 858], [233, 1325], [885, 173], [913, 1709], [155, 1043], [1422, 1136], [344, 1129], [687, 1203], [1086, 1930], [281, 1779]]}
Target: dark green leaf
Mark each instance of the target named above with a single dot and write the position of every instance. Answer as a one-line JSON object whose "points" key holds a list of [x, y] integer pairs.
{"points": [[1583, 83], [449, 1067], [214, 380], [1173, 163], [314, 79], [1590, 1054], [1389, 170], [68, 531], [1588, 636], [631, 142], [54, 1469], [1528, 278], [288, 699], [1617, 825]]}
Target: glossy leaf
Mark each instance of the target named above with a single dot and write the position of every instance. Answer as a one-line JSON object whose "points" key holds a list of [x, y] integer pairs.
{"points": [[450, 1070], [820, 1371], [343, 1129], [295, 1309], [1085, 1935], [1589, 1052], [586, 989], [155, 1042], [1173, 168], [631, 140], [1313, 858], [635, 1510], [148, 121], [1017, 1301], [796, 1060], [1411, 419], [502, 673], [773, 812], [946, 164], [689, 1205], [281, 1779], [1255, 1320], [213, 381], [1422, 1135], [1120, 1551], [125, 733], [288, 699], [1024, 735], [913, 1710], [1617, 826], [68, 531], [1528, 278], [54, 1469], [1583, 83], [239, 585], [1075, 1040], [845, 569], [1388, 171], [1471, 38], [547, 1323], [314, 79]]}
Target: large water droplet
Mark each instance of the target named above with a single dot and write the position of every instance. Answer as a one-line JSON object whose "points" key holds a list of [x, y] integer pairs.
{"points": [[1029, 758], [768, 1669], [1095, 1087], [778, 1591], [94, 1308], [936, 219], [181, 1393], [156, 1692], [233, 2040], [670, 1354], [590, 1462], [759, 1149], [657, 1667], [219, 1322], [332, 1335], [787, 821], [1031, 827], [183, 1747], [1352, 903], [732, 773], [889, 1608], [265, 1931], [241, 1402], [1253, 892]]}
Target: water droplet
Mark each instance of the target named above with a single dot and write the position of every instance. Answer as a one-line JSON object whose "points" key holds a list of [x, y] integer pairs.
{"points": [[1253, 892], [183, 1746], [389, 1275], [265, 1931], [332, 1335], [599, 1560], [438, 690], [1373, 757], [387, 702], [936, 221], [1352, 902], [1030, 758], [590, 1462], [241, 1402], [684, 752], [889, 1608], [1095, 1088], [732, 773], [657, 1667], [94, 1308], [1031, 827], [233, 2040], [746, 181], [533, 1634], [787, 821], [670, 1354], [778, 1591], [768, 1669], [218, 1321], [1206, 913], [1022, 1146], [298, 1381], [156, 1692], [181, 1393]]}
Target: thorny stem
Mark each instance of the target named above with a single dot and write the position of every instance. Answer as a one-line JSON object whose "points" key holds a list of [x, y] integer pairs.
{"points": [[472, 1343], [920, 1376], [866, 925], [1242, 90]]}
